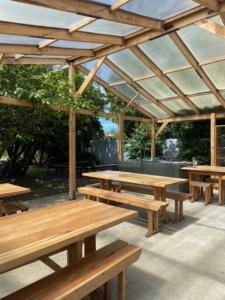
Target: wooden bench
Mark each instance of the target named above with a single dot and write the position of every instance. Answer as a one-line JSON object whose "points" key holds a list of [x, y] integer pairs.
{"points": [[154, 208], [81, 278], [105, 167], [178, 197], [196, 186]]}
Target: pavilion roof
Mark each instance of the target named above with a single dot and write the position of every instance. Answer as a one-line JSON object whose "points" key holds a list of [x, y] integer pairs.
{"points": [[165, 57]]}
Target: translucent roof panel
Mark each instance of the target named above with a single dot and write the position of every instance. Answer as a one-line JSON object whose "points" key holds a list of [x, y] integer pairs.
{"points": [[156, 88], [216, 73], [127, 91], [108, 75], [16, 12], [20, 40], [178, 106], [153, 109], [75, 45], [164, 53], [206, 102], [156, 8], [130, 64], [109, 27], [204, 45], [188, 81]]}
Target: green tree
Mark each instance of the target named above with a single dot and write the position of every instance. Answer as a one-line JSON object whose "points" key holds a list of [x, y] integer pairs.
{"points": [[24, 131]]}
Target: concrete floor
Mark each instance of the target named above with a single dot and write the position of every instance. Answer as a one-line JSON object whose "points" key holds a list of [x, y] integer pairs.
{"points": [[182, 262]]}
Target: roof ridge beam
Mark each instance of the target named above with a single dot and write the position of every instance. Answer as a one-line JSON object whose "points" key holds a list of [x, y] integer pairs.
{"points": [[195, 64], [98, 11], [165, 79], [136, 86]]}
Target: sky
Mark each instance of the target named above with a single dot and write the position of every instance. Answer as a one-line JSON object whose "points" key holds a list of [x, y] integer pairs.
{"points": [[108, 125]]}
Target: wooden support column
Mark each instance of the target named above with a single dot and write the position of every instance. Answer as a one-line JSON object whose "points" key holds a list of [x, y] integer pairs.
{"points": [[121, 138], [153, 140], [72, 140], [213, 140]]}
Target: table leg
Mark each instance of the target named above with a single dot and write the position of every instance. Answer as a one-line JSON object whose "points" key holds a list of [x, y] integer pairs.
{"points": [[220, 190], [89, 245], [74, 252]]}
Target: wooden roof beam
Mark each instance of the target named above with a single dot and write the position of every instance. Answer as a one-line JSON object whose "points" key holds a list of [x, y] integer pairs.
{"points": [[98, 11], [165, 79], [118, 4], [193, 118], [58, 34], [212, 27], [91, 75], [35, 50], [33, 61], [211, 4], [137, 87], [1, 57], [198, 68]]}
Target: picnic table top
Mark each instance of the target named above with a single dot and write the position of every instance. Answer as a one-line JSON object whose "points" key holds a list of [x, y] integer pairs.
{"points": [[8, 190], [136, 178], [31, 235], [205, 168]]}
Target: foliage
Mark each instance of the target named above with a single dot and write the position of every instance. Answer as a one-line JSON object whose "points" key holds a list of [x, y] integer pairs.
{"points": [[138, 146], [24, 131]]}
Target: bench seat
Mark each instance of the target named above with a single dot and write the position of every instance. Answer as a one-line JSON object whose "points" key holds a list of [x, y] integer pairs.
{"points": [[195, 186], [81, 278], [153, 207]]}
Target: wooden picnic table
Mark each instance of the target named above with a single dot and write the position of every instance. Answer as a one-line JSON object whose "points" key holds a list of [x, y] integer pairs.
{"points": [[9, 190], [37, 234], [205, 170], [158, 183]]}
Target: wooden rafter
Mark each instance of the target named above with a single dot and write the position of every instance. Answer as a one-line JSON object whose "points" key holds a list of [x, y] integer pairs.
{"points": [[81, 24], [46, 43], [211, 4], [34, 50], [95, 10], [212, 27], [33, 60], [1, 57], [57, 33], [131, 101], [116, 92], [118, 4], [161, 128], [203, 117], [91, 75], [165, 79], [193, 61], [137, 87]]}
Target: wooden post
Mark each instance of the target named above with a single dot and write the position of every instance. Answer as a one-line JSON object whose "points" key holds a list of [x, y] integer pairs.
{"points": [[121, 138], [213, 139], [72, 140], [153, 140]]}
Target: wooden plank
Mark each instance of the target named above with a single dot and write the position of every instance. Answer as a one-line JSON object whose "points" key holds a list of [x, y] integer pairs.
{"points": [[33, 60], [118, 4], [212, 27], [136, 178], [51, 264], [195, 64], [95, 10], [121, 138], [79, 25], [213, 139], [31, 235], [34, 50], [72, 139], [153, 141], [8, 190], [46, 43], [91, 75], [58, 33], [202, 117], [1, 57], [165, 79]]}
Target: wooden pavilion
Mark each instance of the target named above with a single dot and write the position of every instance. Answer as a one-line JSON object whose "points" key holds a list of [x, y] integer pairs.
{"points": [[166, 60]]}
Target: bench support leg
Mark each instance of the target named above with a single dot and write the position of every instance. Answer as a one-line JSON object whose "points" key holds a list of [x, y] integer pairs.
{"points": [[181, 211], [156, 221], [89, 245], [74, 252], [175, 220], [122, 285], [150, 224]]}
